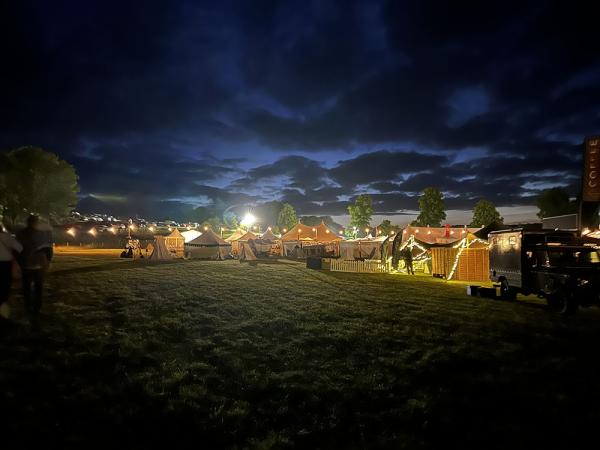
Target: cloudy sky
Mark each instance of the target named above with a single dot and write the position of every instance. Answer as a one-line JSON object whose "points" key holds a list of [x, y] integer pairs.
{"points": [[310, 102]]}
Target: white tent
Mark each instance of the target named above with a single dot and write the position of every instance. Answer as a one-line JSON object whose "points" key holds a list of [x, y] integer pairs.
{"points": [[160, 252], [190, 235], [367, 248]]}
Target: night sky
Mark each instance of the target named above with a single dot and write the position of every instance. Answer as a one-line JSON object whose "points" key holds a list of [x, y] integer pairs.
{"points": [[163, 105]]}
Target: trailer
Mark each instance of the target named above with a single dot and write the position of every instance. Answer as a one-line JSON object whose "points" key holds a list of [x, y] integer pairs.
{"points": [[555, 265]]}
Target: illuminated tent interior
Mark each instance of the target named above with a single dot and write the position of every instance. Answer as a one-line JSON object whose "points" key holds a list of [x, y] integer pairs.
{"points": [[175, 243], [364, 248], [305, 236]]}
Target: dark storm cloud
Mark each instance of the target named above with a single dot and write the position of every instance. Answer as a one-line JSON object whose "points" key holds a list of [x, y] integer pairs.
{"points": [[221, 103], [384, 165], [302, 172]]}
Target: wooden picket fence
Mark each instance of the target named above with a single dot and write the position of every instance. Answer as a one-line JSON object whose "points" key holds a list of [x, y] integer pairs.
{"points": [[366, 266]]}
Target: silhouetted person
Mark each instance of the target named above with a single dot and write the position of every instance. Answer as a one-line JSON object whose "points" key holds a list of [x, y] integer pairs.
{"points": [[9, 250], [35, 258], [408, 261]]}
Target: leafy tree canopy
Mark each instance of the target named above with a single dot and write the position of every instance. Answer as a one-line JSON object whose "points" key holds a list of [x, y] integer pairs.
{"points": [[33, 180], [385, 228], [287, 217], [555, 202], [431, 205], [214, 223], [361, 212], [485, 213]]}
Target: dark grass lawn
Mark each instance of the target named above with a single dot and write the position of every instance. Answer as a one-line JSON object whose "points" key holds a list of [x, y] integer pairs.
{"points": [[221, 354]]}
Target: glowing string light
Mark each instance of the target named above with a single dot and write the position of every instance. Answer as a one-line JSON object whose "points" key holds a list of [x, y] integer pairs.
{"points": [[462, 245]]}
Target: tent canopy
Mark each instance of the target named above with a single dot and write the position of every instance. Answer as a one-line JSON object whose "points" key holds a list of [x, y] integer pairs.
{"points": [[246, 237], [235, 236], [436, 235], [268, 235], [321, 233], [208, 239], [175, 234]]}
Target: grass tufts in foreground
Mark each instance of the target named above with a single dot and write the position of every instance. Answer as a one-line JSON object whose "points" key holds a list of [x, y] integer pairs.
{"points": [[222, 354]]}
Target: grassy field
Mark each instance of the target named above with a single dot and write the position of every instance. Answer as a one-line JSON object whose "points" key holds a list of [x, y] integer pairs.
{"points": [[221, 354]]}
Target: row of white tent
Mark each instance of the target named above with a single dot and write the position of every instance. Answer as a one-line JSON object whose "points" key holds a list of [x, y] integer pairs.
{"points": [[208, 245]]}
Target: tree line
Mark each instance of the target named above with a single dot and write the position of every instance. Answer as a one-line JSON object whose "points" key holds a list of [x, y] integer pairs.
{"points": [[33, 180]]}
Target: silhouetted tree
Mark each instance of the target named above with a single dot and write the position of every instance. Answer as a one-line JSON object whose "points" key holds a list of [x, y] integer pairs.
{"points": [[287, 217], [431, 205], [555, 202], [361, 212], [33, 180], [484, 214]]}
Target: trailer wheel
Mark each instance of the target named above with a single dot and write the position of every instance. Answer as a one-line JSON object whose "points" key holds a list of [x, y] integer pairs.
{"points": [[563, 302]]}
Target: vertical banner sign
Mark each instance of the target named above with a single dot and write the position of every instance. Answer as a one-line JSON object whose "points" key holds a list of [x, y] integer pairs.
{"points": [[591, 170]]}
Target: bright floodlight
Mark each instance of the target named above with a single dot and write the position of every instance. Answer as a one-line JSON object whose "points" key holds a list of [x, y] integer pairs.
{"points": [[248, 220]]}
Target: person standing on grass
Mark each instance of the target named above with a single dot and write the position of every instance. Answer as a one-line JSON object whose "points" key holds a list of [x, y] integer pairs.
{"points": [[35, 258], [9, 249], [408, 261]]}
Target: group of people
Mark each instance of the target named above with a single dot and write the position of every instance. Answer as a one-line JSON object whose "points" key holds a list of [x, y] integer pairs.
{"points": [[32, 250]]}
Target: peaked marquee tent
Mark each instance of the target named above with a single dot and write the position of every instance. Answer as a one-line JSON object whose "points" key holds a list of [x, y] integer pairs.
{"points": [[160, 251], [175, 242], [269, 236], [245, 237], [320, 233], [235, 236], [301, 235], [246, 253], [208, 246]]}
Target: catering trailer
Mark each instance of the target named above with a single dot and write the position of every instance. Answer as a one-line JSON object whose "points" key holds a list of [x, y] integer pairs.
{"points": [[556, 265]]}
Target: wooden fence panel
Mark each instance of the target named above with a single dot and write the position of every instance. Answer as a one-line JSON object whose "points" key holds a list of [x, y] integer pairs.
{"points": [[366, 266]]}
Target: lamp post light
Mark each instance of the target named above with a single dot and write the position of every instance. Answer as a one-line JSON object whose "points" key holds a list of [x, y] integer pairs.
{"points": [[315, 231]]}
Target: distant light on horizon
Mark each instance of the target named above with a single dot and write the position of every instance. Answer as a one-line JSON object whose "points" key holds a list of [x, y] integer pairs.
{"points": [[248, 220]]}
